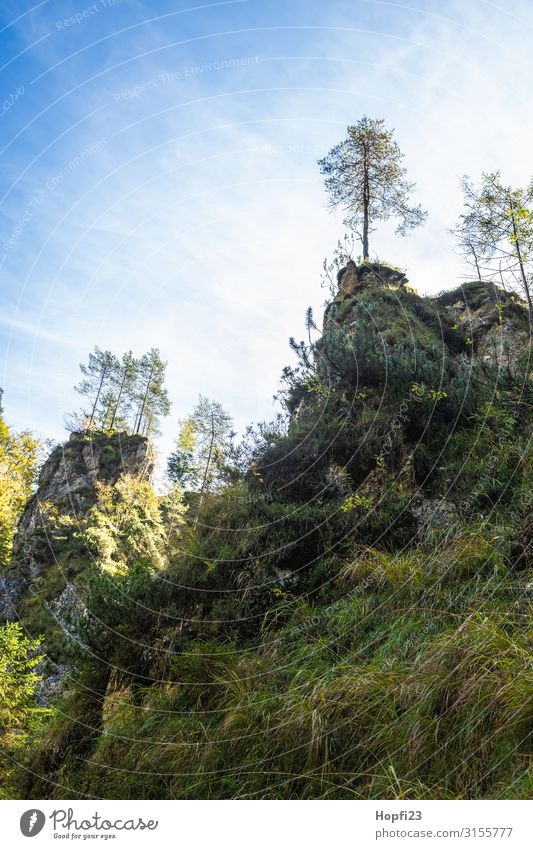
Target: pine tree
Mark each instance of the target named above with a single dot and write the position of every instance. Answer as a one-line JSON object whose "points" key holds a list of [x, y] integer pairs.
{"points": [[20, 715], [121, 388], [203, 445], [18, 659], [364, 177], [496, 227], [124, 388], [151, 395], [97, 379]]}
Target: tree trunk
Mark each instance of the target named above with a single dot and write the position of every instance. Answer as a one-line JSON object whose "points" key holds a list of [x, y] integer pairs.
{"points": [[365, 237], [207, 465], [366, 204], [93, 411], [523, 275], [477, 265], [143, 405]]}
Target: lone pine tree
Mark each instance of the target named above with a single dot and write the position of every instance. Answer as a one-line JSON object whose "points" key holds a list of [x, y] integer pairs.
{"points": [[365, 177]]}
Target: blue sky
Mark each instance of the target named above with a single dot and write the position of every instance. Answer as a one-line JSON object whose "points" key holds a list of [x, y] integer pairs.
{"points": [[159, 181]]}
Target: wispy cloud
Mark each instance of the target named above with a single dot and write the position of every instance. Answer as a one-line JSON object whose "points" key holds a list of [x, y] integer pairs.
{"points": [[198, 223]]}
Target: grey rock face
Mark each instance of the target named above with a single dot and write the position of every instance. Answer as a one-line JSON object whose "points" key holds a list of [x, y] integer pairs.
{"points": [[433, 514], [12, 585], [354, 277], [67, 484], [52, 683], [67, 609], [68, 477]]}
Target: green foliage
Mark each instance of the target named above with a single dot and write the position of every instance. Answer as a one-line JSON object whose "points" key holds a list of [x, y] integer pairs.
{"points": [[125, 394], [344, 612], [357, 501], [19, 713], [18, 462], [126, 524], [431, 394], [121, 607], [412, 683], [365, 178], [130, 534], [203, 448], [18, 659]]}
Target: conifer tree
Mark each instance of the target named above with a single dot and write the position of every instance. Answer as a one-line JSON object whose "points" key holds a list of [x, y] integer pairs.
{"points": [[97, 378], [365, 178], [151, 395], [203, 445], [20, 714], [125, 393], [496, 229], [125, 377]]}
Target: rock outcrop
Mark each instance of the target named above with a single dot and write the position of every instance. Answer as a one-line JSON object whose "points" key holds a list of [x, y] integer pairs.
{"points": [[495, 321], [67, 486], [353, 277], [68, 477]]}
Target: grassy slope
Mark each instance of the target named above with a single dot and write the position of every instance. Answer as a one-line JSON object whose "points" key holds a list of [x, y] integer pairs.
{"points": [[326, 652], [415, 682]]}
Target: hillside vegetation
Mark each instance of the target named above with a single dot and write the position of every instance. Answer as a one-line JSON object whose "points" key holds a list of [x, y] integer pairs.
{"points": [[346, 615]]}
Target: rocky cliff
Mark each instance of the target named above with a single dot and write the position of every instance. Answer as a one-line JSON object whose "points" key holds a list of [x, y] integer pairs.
{"points": [[496, 321], [68, 476], [66, 487], [341, 611], [483, 318]]}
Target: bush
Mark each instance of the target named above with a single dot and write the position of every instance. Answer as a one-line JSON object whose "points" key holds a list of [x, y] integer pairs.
{"points": [[19, 713]]}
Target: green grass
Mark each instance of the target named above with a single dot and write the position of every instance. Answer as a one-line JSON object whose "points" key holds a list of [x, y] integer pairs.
{"points": [[292, 649], [414, 683]]}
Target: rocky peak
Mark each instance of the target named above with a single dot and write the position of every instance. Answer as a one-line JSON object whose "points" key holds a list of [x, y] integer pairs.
{"points": [[494, 320], [67, 483], [354, 277], [68, 477], [493, 323]]}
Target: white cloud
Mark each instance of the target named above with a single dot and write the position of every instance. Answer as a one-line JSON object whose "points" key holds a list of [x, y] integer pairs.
{"points": [[199, 225]]}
